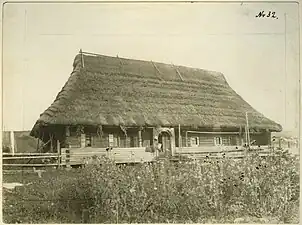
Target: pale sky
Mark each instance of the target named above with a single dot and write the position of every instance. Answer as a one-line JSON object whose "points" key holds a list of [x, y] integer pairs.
{"points": [[41, 41]]}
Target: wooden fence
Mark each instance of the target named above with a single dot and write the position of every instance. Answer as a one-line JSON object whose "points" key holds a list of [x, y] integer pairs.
{"points": [[31, 159], [76, 156], [67, 157]]}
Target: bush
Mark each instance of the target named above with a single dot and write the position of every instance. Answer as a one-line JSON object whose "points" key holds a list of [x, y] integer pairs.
{"points": [[186, 192], [6, 149]]}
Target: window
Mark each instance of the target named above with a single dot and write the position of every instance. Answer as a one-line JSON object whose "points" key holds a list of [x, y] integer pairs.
{"points": [[217, 141], [226, 140], [194, 141], [88, 140], [111, 140]]}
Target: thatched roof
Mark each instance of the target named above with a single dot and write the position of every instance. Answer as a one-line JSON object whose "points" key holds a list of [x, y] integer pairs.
{"points": [[118, 91]]}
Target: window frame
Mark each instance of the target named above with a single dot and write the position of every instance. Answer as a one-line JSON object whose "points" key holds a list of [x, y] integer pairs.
{"points": [[220, 141], [194, 141], [88, 137]]}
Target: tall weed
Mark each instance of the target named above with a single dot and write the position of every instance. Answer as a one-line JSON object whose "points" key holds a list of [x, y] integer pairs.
{"points": [[183, 192]]}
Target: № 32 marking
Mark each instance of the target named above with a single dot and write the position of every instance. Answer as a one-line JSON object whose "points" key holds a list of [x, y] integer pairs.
{"points": [[270, 14]]}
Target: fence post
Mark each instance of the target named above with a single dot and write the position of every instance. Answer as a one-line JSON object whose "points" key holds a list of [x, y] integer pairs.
{"points": [[280, 143], [63, 156], [67, 158], [59, 153]]}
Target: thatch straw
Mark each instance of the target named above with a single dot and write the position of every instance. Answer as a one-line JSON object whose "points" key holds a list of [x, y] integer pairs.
{"points": [[106, 92]]}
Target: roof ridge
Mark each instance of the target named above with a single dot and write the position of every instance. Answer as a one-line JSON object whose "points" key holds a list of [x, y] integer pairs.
{"points": [[212, 72]]}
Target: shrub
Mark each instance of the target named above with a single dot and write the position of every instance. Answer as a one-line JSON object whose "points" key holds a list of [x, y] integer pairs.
{"points": [[194, 192], [6, 149]]}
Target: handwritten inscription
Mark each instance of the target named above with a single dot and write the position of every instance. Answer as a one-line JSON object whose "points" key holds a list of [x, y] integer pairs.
{"points": [[269, 14]]}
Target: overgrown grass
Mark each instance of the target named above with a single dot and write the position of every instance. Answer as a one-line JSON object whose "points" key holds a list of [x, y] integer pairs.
{"points": [[260, 190]]}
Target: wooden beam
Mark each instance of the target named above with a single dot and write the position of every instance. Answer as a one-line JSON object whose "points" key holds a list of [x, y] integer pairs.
{"points": [[30, 153], [67, 131], [124, 129], [38, 143], [83, 140], [44, 145], [178, 72], [186, 139], [120, 60], [157, 70], [51, 144], [89, 53], [67, 158], [30, 157], [30, 165], [41, 148], [179, 138], [218, 132], [241, 135], [82, 57], [59, 152], [140, 138], [100, 131]]}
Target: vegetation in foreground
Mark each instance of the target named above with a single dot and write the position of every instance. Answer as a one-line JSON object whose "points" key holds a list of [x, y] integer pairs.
{"points": [[253, 190]]}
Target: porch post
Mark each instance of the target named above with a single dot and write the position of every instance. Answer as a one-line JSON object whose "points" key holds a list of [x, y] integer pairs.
{"points": [[67, 134], [186, 139], [140, 138], [179, 139], [140, 144], [241, 136], [51, 142], [59, 153], [83, 140], [172, 141]]}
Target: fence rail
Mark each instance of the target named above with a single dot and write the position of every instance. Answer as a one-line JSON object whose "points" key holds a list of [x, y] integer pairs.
{"points": [[30, 165], [68, 157], [15, 159], [30, 154]]}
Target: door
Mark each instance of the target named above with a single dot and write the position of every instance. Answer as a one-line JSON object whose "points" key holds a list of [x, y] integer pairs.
{"points": [[164, 139]]}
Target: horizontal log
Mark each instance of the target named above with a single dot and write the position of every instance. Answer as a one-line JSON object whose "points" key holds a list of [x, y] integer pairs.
{"points": [[87, 149], [216, 149], [30, 154], [32, 165], [32, 157], [20, 171]]}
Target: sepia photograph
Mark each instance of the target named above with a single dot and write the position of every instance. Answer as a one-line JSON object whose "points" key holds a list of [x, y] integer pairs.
{"points": [[150, 112]]}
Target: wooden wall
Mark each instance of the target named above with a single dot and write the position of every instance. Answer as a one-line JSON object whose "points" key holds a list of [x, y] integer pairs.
{"points": [[113, 137], [205, 140], [119, 155], [208, 139]]}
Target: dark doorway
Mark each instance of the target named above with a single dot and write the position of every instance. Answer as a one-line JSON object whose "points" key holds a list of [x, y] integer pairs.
{"points": [[164, 139]]}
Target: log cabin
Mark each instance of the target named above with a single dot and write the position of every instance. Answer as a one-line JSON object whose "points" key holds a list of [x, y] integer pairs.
{"points": [[120, 105]]}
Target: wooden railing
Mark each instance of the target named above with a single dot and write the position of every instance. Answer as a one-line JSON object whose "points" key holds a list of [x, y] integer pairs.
{"points": [[200, 149], [74, 156], [79, 156], [31, 159], [221, 151]]}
